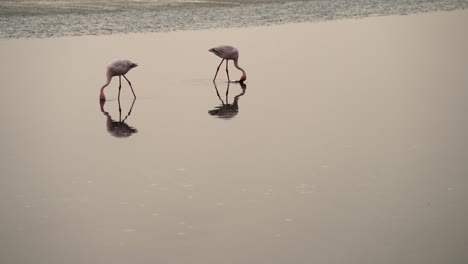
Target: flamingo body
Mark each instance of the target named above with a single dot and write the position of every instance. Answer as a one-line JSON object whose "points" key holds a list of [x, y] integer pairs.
{"points": [[119, 68], [227, 53]]}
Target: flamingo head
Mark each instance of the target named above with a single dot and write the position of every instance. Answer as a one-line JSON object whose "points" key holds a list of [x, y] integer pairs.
{"points": [[102, 97], [243, 78]]}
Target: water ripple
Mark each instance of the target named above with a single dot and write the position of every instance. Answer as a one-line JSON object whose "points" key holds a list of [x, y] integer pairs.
{"points": [[38, 19]]}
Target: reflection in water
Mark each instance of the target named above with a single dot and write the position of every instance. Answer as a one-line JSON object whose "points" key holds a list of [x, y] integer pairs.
{"points": [[226, 110], [118, 128]]}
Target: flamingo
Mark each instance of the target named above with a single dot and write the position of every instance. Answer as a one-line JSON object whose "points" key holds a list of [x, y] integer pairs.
{"points": [[227, 53], [118, 68]]}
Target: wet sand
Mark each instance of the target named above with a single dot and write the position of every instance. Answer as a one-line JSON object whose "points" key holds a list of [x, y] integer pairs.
{"points": [[348, 145]]}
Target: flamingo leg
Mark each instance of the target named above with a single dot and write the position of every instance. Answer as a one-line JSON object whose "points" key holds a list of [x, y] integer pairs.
{"points": [[218, 70], [120, 84], [129, 83], [120, 110], [227, 71]]}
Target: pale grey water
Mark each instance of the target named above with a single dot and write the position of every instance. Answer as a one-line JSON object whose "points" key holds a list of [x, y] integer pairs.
{"points": [[348, 145], [25, 19]]}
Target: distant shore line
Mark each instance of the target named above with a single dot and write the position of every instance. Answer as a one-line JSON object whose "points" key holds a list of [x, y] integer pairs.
{"points": [[134, 21], [237, 27]]}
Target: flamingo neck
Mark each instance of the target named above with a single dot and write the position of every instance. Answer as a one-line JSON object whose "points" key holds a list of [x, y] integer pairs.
{"points": [[101, 95], [244, 76]]}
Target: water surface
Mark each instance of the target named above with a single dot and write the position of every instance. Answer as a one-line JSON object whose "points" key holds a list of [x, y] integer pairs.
{"points": [[348, 144]]}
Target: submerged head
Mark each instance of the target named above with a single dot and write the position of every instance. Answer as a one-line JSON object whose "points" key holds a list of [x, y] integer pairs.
{"points": [[102, 97], [243, 77]]}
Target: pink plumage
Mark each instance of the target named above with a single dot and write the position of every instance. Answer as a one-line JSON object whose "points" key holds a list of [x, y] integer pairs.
{"points": [[227, 53], [118, 68]]}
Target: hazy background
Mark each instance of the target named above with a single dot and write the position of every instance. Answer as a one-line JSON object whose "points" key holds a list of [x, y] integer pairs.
{"points": [[20, 19]]}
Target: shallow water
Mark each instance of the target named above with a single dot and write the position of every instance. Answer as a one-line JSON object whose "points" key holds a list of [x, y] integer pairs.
{"points": [[332, 153], [25, 19]]}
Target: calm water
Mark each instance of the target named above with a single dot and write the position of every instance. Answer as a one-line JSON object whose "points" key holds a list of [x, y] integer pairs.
{"points": [[20, 19], [347, 144]]}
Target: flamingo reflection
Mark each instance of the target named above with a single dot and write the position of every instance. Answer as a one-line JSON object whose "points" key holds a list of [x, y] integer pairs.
{"points": [[227, 110], [118, 128]]}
